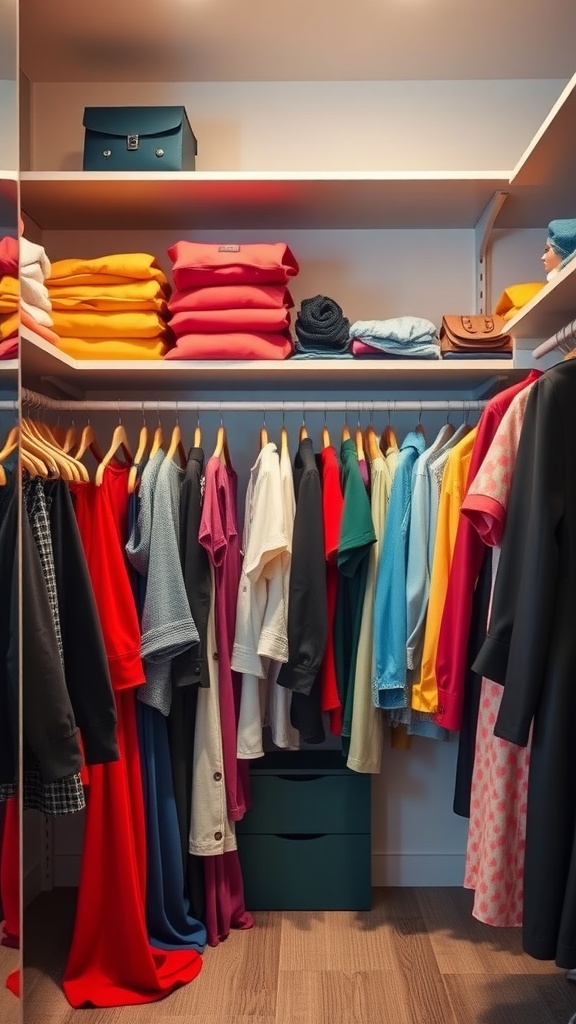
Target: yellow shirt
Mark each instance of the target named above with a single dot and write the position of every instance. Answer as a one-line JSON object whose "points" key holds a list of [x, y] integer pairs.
{"points": [[114, 269], [110, 298], [452, 494], [106, 348], [108, 325], [9, 294]]}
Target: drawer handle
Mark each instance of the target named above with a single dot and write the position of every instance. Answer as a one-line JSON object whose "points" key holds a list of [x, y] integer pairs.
{"points": [[301, 836], [300, 778]]}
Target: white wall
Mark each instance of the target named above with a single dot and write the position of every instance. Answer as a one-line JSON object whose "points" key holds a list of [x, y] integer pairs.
{"points": [[469, 125]]}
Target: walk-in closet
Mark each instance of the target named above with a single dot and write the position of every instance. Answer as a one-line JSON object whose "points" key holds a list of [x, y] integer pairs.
{"points": [[292, 561]]}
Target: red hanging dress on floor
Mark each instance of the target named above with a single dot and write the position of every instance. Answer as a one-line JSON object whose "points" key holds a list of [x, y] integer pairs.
{"points": [[111, 962]]}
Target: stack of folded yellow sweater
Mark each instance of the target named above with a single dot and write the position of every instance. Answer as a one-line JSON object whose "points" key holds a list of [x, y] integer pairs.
{"points": [[111, 307]]}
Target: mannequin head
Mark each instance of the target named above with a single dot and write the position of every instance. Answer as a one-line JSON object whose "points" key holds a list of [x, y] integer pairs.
{"points": [[560, 245]]}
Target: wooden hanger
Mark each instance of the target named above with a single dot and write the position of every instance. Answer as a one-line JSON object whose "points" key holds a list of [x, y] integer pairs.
{"points": [[197, 441], [388, 439], [10, 446], [138, 459], [70, 468], [325, 434], [119, 440], [37, 447], [88, 442], [33, 457], [157, 441], [345, 436], [303, 431], [32, 465], [221, 450], [371, 443], [284, 449], [70, 439], [263, 433], [176, 446]]}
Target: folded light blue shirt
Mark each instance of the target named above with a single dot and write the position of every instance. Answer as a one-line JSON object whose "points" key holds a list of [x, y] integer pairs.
{"points": [[401, 336]]}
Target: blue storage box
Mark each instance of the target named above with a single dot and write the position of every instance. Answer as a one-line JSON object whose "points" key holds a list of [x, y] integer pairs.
{"points": [[138, 139]]}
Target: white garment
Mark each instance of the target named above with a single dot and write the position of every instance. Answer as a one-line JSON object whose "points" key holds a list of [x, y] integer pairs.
{"points": [[35, 294], [31, 254], [261, 620], [211, 831], [365, 752], [277, 715]]}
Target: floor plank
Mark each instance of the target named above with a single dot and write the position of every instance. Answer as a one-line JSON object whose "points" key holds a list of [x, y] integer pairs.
{"points": [[511, 999], [418, 957], [463, 945]]}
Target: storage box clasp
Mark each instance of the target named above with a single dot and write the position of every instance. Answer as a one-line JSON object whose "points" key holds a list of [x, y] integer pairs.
{"points": [[132, 141]]}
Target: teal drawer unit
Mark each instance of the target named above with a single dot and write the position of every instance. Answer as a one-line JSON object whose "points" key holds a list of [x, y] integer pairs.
{"points": [[305, 845]]}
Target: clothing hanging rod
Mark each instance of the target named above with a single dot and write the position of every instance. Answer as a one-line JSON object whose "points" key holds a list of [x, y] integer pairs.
{"points": [[6, 406], [66, 405], [564, 339]]}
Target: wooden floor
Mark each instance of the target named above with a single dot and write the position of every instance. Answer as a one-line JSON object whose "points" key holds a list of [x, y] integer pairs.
{"points": [[418, 957], [9, 1003]]}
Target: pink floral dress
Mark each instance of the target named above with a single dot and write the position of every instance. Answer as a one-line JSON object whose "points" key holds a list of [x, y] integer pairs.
{"points": [[498, 804]]}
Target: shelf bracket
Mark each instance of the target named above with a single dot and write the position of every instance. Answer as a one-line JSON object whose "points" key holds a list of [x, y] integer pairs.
{"points": [[482, 252], [65, 387], [489, 387]]}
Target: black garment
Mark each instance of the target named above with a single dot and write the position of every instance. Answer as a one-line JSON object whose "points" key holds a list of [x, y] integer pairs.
{"points": [[472, 689], [307, 600], [191, 666], [85, 662], [531, 648], [188, 668], [321, 326], [50, 733], [8, 635]]}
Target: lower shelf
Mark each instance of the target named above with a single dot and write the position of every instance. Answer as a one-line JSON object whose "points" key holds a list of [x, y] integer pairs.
{"points": [[306, 872], [43, 364]]}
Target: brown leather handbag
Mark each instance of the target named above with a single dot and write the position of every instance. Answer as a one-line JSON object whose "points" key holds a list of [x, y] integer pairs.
{"points": [[476, 333]]}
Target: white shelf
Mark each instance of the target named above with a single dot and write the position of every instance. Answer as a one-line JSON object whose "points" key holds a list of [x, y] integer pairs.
{"points": [[42, 363], [209, 200], [543, 183], [551, 308]]}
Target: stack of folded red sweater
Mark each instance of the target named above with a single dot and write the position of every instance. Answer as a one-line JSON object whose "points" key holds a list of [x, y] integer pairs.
{"points": [[9, 297], [231, 301]]}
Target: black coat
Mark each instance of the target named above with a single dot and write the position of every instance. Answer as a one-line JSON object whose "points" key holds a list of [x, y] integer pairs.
{"points": [[531, 649]]}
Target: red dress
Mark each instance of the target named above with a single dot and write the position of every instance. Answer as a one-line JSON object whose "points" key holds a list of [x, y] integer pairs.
{"points": [[332, 505], [111, 962]]}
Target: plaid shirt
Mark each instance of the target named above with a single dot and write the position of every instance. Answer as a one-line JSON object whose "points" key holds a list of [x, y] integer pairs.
{"points": [[64, 796]]}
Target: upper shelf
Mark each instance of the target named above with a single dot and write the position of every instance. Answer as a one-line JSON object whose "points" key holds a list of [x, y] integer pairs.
{"points": [[552, 308], [543, 183], [43, 364], [242, 200]]}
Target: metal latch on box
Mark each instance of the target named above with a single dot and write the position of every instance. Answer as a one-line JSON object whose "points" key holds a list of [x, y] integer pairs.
{"points": [[132, 141]]}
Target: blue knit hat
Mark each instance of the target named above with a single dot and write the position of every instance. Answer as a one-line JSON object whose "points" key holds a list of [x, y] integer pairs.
{"points": [[562, 237]]}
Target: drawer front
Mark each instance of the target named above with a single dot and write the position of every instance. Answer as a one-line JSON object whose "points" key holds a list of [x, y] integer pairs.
{"points": [[306, 872], [308, 802]]}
